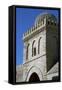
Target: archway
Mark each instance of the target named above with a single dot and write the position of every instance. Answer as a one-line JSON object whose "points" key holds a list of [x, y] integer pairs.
{"points": [[34, 78], [34, 72]]}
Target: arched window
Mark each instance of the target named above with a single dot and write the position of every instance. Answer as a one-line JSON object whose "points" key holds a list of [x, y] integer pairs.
{"points": [[39, 45], [48, 22], [51, 23], [27, 51], [33, 48]]}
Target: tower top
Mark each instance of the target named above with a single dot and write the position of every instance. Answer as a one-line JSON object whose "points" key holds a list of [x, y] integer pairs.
{"points": [[39, 23], [45, 15]]}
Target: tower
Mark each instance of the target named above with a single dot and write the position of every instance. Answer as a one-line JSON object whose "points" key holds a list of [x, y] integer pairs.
{"points": [[40, 47]]}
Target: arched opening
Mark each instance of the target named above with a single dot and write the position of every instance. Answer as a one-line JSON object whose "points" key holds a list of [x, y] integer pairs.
{"points": [[34, 78], [39, 45], [34, 48]]}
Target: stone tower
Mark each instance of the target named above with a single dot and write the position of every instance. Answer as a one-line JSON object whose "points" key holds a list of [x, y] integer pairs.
{"points": [[41, 46]]}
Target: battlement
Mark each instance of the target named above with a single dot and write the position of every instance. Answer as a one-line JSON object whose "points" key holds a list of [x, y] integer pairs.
{"points": [[35, 28], [40, 22]]}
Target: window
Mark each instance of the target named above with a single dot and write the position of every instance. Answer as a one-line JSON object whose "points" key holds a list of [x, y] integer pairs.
{"points": [[27, 51], [39, 45], [48, 22], [33, 48], [34, 51]]}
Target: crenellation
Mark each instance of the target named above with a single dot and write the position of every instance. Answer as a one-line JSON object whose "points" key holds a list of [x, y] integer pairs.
{"points": [[34, 28]]}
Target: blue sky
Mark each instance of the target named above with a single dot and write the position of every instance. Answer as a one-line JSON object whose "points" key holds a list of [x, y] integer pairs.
{"points": [[25, 19]]}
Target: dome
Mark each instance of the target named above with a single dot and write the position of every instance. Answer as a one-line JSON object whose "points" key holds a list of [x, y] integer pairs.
{"points": [[45, 15]]}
